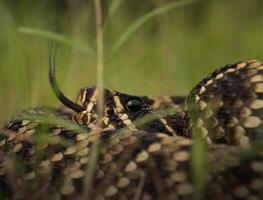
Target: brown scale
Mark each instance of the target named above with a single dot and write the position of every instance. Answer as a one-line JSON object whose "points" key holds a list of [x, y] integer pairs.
{"points": [[227, 106], [162, 162], [158, 162], [40, 160]]}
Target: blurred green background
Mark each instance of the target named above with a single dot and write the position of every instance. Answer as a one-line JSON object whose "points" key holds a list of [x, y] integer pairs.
{"points": [[168, 55]]}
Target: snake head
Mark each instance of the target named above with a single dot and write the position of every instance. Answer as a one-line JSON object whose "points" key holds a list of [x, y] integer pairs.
{"points": [[119, 110]]}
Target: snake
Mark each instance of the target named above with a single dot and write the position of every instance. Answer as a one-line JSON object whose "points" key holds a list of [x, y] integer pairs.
{"points": [[141, 147]]}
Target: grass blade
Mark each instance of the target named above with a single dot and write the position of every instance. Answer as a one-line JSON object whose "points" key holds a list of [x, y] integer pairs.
{"points": [[198, 166], [57, 37], [142, 20], [47, 116], [113, 8], [198, 160]]}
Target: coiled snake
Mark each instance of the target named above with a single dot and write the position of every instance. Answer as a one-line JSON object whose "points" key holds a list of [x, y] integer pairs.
{"points": [[141, 153]]}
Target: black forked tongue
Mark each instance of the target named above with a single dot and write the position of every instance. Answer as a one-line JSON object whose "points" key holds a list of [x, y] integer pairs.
{"points": [[63, 99]]}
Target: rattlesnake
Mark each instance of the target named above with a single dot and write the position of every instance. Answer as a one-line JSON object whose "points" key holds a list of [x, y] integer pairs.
{"points": [[139, 152]]}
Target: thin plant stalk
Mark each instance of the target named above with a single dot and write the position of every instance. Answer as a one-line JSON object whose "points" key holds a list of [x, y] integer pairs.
{"points": [[88, 182], [100, 56], [137, 24]]}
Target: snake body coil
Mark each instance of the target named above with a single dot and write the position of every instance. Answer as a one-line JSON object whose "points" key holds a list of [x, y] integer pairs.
{"points": [[139, 153]]}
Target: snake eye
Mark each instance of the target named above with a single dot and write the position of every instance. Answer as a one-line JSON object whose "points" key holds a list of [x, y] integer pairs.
{"points": [[134, 105]]}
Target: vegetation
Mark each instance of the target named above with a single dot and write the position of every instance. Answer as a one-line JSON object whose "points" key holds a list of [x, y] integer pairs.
{"points": [[167, 55], [150, 48]]}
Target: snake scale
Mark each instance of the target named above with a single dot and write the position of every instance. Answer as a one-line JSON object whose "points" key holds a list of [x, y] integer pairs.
{"points": [[126, 158]]}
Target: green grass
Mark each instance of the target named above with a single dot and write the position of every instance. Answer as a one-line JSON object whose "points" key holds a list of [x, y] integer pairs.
{"points": [[168, 55], [148, 51]]}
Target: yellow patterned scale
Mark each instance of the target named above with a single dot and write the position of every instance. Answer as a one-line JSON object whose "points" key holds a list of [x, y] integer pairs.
{"points": [[227, 106], [137, 153]]}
